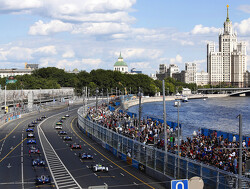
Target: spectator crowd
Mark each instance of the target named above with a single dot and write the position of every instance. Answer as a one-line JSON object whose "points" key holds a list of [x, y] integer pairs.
{"points": [[212, 150]]}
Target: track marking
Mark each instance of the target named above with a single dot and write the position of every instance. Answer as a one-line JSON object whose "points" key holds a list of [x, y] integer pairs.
{"points": [[107, 157], [12, 130], [12, 150]]}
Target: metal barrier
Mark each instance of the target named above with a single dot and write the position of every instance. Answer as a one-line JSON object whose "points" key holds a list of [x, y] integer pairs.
{"points": [[162, 165]]}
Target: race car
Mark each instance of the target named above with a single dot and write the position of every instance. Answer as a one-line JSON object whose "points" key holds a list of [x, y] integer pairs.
{"points": [[43, 179], [39, 119], [63, 117], [38, 162], [31, 141], [62, 132], [67, 138], [99, 167], [29, 130], [34, 150], [85, 156], [34, 122], [67, 115], [59, 123], [75, 146], [58, 127], [30, 135], [44, 116], [31, 125]]}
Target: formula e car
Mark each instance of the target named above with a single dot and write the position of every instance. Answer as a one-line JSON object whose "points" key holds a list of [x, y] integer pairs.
{"points": [[67, 138], [31, 141], [58, 127], [34, 150], [62, 132], [44, 116], [43, 179], [63, 117], [31, 125], [29, 130], [59, 123], [39, 119], [85, 156], [38, 162], [67, 115], [34, 122], [30, 135], [75, 146], [99, 167]]}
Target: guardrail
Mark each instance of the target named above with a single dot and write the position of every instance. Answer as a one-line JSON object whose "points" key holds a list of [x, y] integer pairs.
{"points": [[159, 164]]}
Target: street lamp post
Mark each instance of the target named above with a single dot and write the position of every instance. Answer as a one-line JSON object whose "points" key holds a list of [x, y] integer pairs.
{"points": [[240, 151], [96, 105], [164, 116], [140, 110], [178, 104]]}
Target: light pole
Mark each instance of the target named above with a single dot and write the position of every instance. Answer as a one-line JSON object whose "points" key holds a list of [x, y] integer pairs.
{"points": [[164, 116], [5, 99], [140, 109], [178, 104], [96, 105], [240, 151]]}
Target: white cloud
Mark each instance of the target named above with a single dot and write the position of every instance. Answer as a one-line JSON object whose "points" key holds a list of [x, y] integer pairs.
{"points": [[177, 59], [47, 50], [17, 6], [244, 8], [41, 28], [200, 29], [69, 54], [243, 27], [92, 62], [140, 65], [140, 53]]}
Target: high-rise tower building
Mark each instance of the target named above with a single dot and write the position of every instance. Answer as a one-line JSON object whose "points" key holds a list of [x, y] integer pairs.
{"points": [[229, 64]]}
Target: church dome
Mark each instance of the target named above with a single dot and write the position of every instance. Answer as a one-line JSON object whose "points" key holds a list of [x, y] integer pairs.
{"points": [[120, 62]]}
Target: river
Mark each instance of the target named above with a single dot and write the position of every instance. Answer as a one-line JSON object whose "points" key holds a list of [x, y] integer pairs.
{"points": [[212, 113]]}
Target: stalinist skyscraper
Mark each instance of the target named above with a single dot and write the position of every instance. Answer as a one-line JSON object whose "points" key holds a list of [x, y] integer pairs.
{"points": [[229, 64]]}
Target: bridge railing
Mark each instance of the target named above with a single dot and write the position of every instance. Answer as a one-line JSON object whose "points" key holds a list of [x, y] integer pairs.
{"points": [[159, 164]]}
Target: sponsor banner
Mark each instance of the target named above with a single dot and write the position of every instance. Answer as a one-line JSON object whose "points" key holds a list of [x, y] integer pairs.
{"points": [[107, 146], [114, 151], [124, 157], [142, 167]]}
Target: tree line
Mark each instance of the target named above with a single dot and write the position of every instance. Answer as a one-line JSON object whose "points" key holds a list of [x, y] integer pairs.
{"points": [[104, 80]]}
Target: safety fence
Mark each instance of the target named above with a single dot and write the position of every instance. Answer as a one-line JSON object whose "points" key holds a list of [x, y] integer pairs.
{"points": [[162, 165]]}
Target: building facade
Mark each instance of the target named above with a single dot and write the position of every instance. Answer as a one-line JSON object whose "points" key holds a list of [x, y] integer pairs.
{"points": [[120, 65], [229, 64]]}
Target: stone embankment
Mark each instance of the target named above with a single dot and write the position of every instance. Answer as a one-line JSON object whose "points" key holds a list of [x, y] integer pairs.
{"points": [[130, 103]]}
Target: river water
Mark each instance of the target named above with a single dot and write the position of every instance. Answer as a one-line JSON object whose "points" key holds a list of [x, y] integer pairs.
{"points": [[213, 113]]}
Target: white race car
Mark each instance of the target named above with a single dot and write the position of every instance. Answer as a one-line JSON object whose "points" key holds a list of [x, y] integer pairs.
{"points": [[99, 167], [58, 127]]}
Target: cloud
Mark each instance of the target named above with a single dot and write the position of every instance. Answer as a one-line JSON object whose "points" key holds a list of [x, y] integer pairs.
{"points": [[16, 6], [140, 65], [244, 8], [46, 50], [41, 28], [69, 54], [177, 59], [92, 62], [200, 29], [243, 27]]}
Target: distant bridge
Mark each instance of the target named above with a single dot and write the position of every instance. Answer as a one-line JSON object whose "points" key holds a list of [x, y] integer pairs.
{"points": [[229, 91]]}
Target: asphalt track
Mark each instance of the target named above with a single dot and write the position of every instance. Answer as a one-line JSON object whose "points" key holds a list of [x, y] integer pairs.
{"points": [[16, 170]]}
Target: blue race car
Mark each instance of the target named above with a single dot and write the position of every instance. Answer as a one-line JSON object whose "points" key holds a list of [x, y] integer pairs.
{"points": [[38, 162], [85, 156], [31, 141], [29, 130], [43, 179], [62, 133]]}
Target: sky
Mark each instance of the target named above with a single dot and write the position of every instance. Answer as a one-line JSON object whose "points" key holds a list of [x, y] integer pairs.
{"points": [[90, 34]]}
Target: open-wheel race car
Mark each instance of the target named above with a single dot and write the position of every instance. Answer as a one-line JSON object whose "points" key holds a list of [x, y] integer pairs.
{"points": [[62, 132], [34, 122], [29, 130], [31, 141], [58, 127], [31, 125], [43, 179], [30, 135], [58, 123], [75, 146], [99, 167], [67, 115], [38, 162], [85, 156], [67, 138], [34, 150]]}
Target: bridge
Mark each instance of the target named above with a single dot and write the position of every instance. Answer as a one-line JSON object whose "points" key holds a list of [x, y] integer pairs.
{"points": [[229, 91]]}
